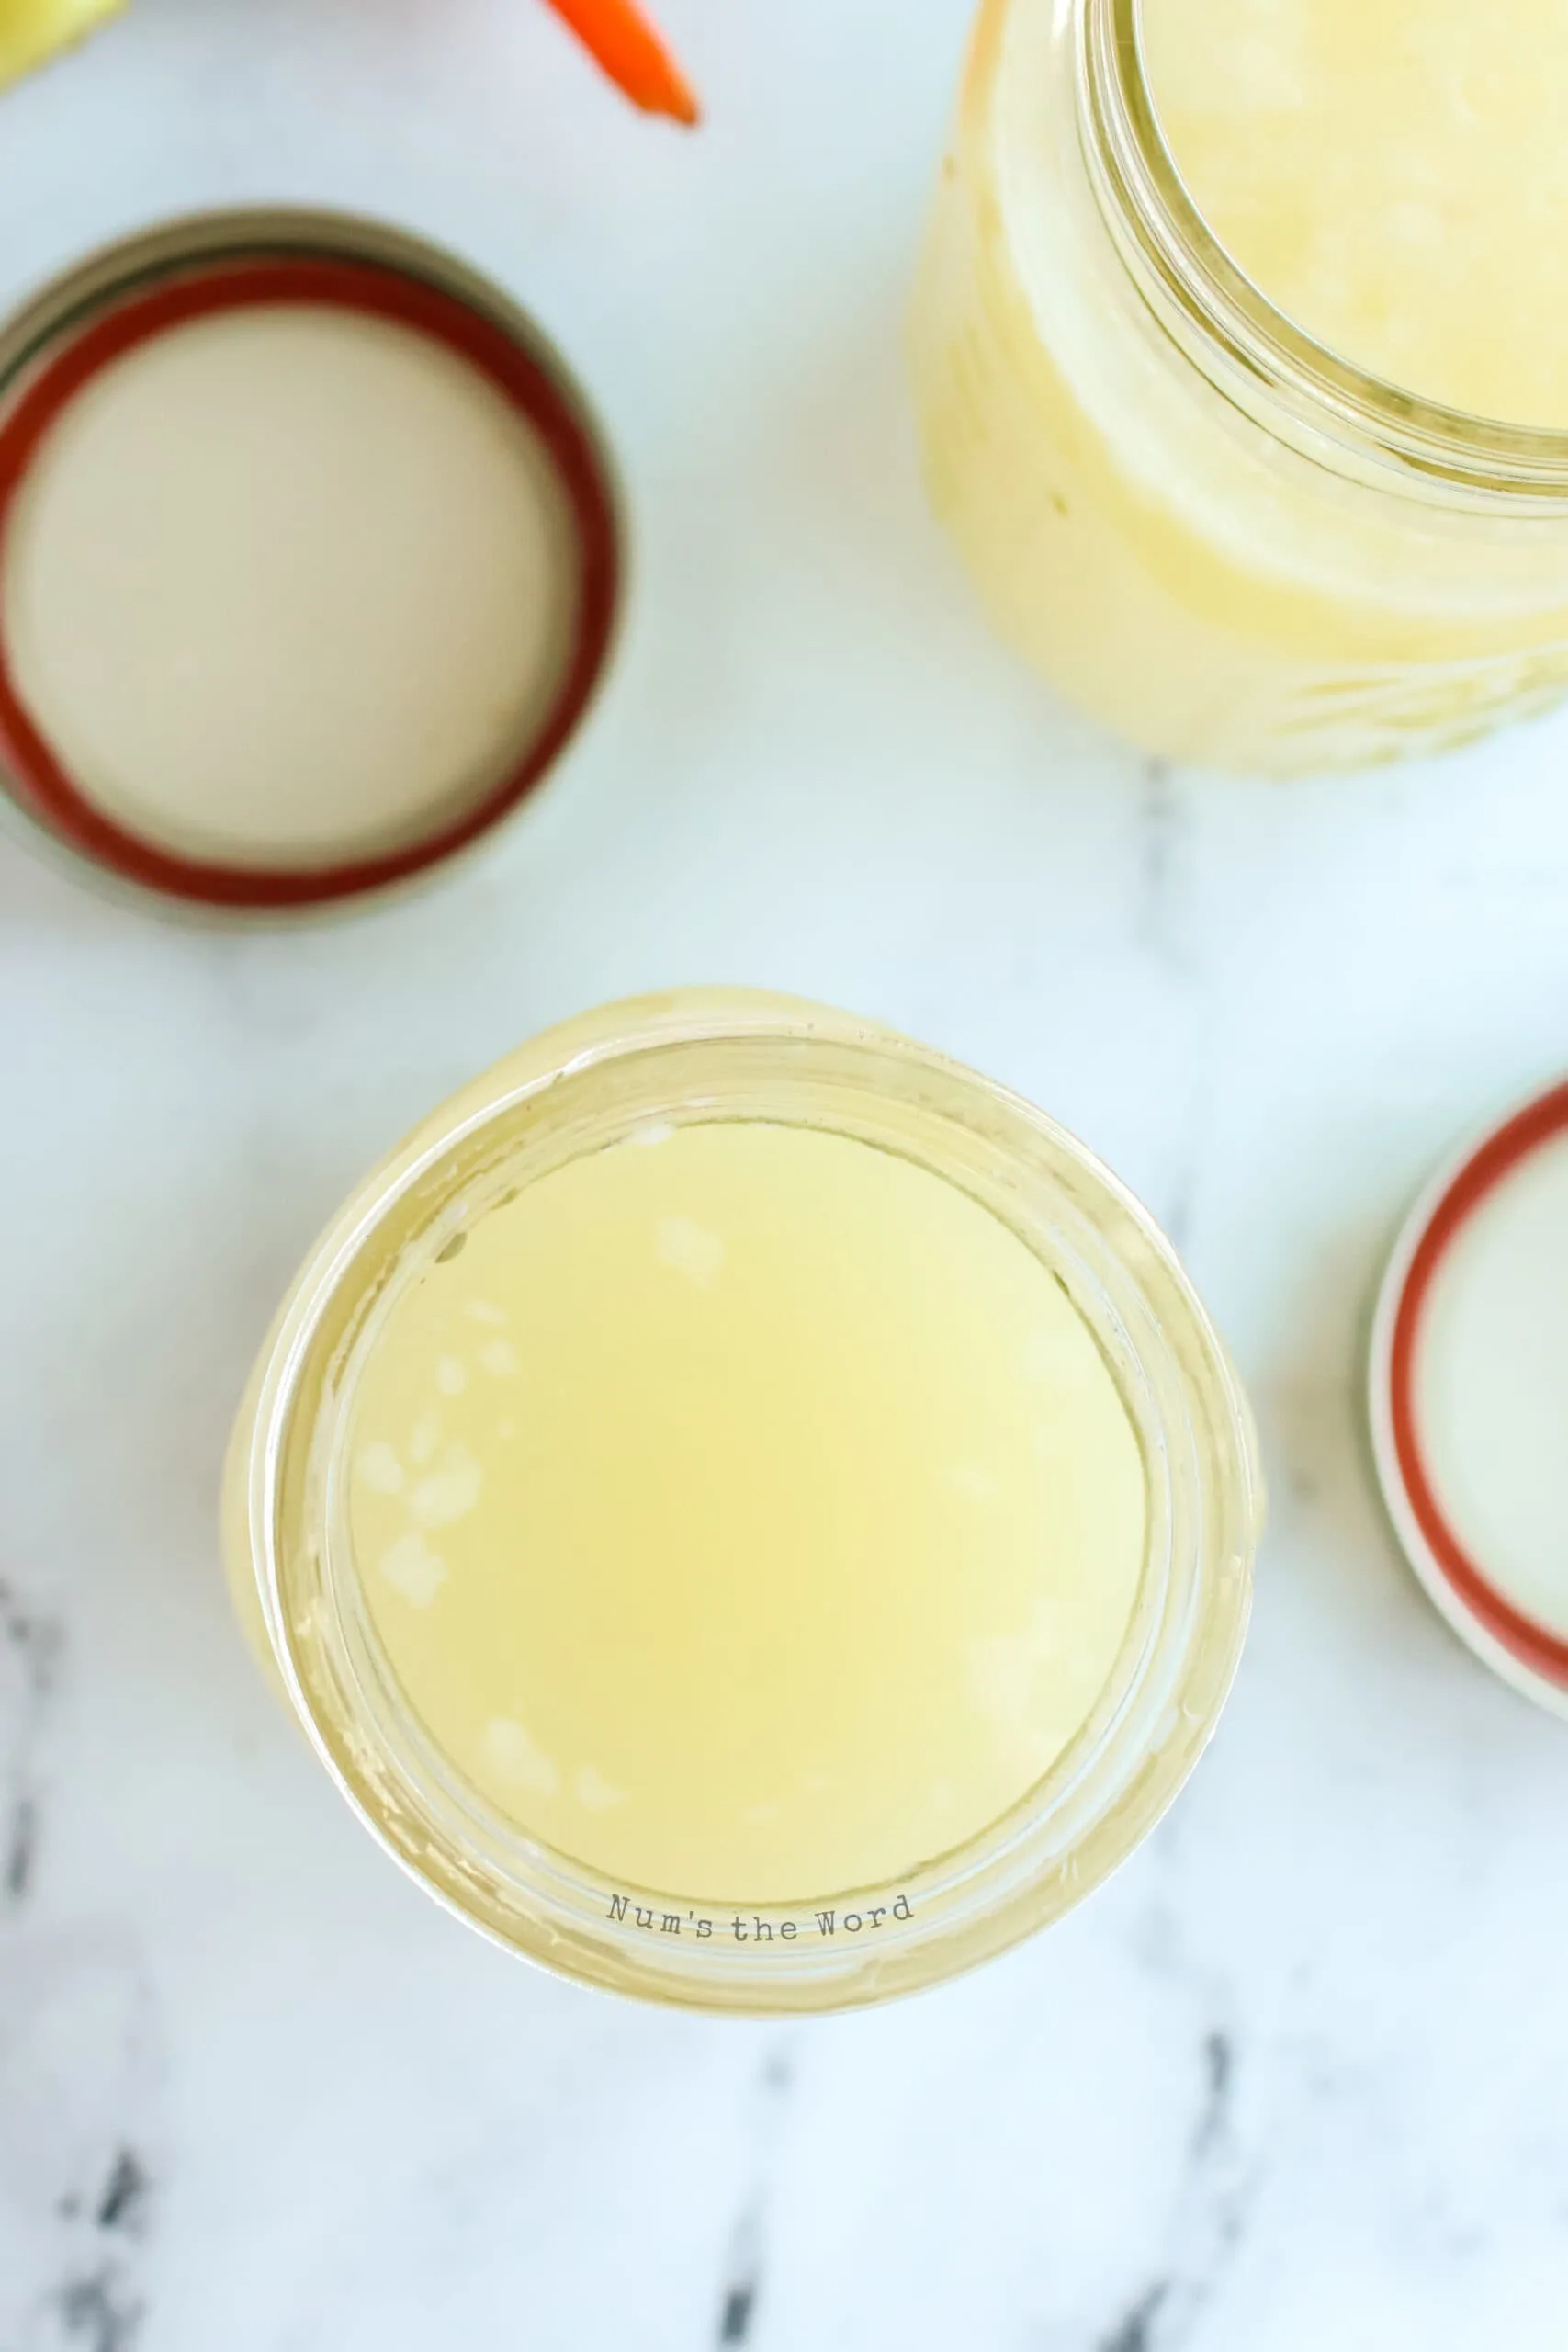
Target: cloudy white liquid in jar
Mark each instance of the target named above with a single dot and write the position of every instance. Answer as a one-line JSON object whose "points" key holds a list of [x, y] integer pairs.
{"points": [[745, 1511], [286, 584], [1392, 175], [1491, 1386]]}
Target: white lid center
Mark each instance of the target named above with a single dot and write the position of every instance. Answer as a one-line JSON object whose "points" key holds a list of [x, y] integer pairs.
{"points": [[288, 583], [1491, 1386]]}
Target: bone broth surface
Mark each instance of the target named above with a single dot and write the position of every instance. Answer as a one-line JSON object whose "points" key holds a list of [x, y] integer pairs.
{"points": [[745, 1511], [1394, 177]]}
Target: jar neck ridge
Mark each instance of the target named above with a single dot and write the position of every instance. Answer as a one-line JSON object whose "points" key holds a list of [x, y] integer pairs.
{"points": [[1295, 387]]}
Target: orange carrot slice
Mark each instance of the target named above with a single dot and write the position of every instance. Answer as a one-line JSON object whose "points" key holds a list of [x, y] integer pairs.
{"points": [[617, 34]]}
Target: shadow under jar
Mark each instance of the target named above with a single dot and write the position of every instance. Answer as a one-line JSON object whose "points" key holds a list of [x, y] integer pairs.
{"points": [[1227, 536], [749, 1512]]}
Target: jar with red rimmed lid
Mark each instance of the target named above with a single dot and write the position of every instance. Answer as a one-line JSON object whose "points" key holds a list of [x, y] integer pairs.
{"points": [[614, 1089], [1468, 1393], [310, 562]]}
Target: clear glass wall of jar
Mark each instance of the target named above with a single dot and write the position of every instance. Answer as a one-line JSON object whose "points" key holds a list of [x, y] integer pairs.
{"points": [[1203, 527], [725, 1055]]}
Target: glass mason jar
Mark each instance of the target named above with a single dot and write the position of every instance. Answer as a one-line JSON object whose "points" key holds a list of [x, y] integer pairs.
{"points": [[1206, 530], [702, 1056]]}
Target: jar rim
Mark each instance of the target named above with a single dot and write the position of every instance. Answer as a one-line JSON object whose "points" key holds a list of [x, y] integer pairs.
{"points": [[1251, 350], [731, 1053]]}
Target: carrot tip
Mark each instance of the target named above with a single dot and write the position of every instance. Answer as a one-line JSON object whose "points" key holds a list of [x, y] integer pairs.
{"points": [[620, 39], [675, 103]]}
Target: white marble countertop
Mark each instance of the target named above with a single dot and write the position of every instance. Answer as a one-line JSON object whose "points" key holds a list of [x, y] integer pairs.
{"points": [[1298, 2078]]}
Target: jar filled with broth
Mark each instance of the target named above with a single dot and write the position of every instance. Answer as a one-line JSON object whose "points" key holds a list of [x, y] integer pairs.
{"points": [[1242, 378]]}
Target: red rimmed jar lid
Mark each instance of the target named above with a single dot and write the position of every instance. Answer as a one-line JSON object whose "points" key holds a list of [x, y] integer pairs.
{"points": [[310, 560], [1469, 1395]]}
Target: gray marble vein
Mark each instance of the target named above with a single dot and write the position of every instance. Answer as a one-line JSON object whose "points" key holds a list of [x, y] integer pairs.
{"points": [[745, 2272], [31, 1646]]}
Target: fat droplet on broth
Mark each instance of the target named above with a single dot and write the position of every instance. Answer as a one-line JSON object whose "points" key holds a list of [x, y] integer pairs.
{"points": [[378, 1466], [513, 1756], [450, 1492], [691, 1250], [595, 1793], [410, 1568]]}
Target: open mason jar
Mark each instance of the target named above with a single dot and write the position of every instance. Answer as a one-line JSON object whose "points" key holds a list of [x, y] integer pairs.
{"points": [[490, 1829], [1205, 529]]}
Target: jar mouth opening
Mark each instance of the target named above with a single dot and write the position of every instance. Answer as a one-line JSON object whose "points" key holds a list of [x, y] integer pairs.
{"points": [[1140, 1738], [1252, 348]]}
